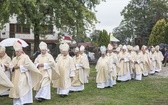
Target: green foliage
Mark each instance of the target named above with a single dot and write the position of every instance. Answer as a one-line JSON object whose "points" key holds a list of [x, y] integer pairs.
{"points": [[64, 13], [95, 36], [77, 15], [82, 38], [104, 38], [159, 33], [140, 16], [123, 32]]}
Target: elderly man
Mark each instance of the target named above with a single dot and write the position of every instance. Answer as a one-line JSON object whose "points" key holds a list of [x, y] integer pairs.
{"points": [[153, 61], [104, 73], [138, 63], [5, 83], [146, 60], [124, 69], [85, 64], [113, 62], [66, 68], [45, 63], [25, 76], [131, 53], [4, 63], [159, 59], [78, 79]]}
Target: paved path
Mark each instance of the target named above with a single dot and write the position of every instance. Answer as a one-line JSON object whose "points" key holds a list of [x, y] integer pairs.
{"points": [[163, 73]]}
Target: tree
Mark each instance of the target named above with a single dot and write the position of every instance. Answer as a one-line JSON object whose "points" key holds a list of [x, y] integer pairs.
{"points": [[159, 33], [95, 36], [104, 38], [82, 38], [123, 32], [74, 14], [142, 15]]}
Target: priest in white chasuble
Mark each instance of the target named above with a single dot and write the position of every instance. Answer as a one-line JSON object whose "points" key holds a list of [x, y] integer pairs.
{"points": [[146, 61], [4, 63], [45, 64], [104, 73], [25, 76], [138, 63], [78, 79], [85, 64], [113, 60], [124, 69], [5, 83], [117, 51], [131, 53], [153, 61], [66, 68], [159, 59]]}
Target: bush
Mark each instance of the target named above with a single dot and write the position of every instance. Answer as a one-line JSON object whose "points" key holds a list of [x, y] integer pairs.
{"points": [[159, 33]]}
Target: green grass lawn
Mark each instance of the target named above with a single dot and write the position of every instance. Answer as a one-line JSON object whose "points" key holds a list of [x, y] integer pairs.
{"points": [[151, 90]]}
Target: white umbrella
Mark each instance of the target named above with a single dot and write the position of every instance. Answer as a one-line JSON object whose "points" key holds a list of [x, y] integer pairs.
{"points": [[10, 41], [113, 39]]}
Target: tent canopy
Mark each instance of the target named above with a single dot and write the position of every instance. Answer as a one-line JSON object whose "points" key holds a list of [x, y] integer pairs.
{"points": [[113, 39]]}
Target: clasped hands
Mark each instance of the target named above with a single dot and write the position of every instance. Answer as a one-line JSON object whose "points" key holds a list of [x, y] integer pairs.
{"points": [[122, 59], [40, 65], [16, 67], [135, 62]]}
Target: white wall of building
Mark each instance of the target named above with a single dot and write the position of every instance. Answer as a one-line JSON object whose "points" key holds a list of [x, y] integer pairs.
{"points": [[4, 33]]}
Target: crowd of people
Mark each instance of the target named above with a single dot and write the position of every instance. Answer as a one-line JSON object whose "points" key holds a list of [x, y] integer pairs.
{"points": [[127, 62], [20, 75]]}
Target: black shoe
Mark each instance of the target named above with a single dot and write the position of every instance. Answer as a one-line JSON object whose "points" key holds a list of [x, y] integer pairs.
{"points": [[27, 104], [63, 95], [156, 71], [71, 91], [119, 81], [4, 95], [39, 99], [79, 91], [108, 87]]}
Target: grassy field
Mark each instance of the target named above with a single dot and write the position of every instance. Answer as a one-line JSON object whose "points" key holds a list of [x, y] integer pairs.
{"points": [[152, 90]]}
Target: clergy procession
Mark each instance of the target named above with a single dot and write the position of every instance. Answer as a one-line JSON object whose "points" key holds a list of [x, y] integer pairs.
{"points": [[20, 76]]}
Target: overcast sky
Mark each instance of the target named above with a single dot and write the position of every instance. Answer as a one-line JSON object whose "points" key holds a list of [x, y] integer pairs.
{"points": [[108, 13]]}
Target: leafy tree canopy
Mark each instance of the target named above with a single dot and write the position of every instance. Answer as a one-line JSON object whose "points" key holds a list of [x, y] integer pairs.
{"points": [[159, 33], [74, 14], [140, 16], [104, 38]]}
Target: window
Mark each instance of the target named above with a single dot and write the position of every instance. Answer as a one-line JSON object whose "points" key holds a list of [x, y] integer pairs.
{"points": [[18, 28], [12, 30], [26, 29]]}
